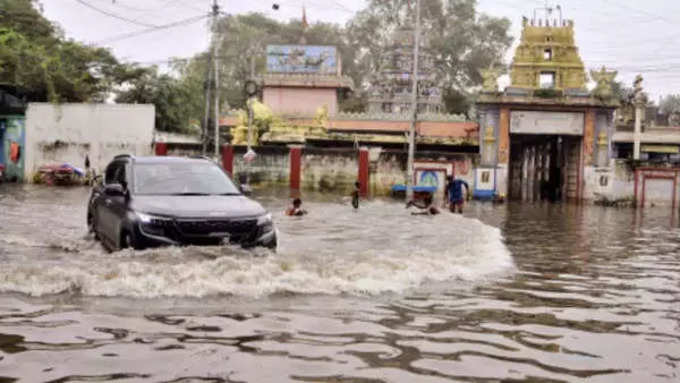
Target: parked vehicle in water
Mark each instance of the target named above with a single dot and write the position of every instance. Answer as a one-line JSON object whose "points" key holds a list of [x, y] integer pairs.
{"points": [[147, 202]]}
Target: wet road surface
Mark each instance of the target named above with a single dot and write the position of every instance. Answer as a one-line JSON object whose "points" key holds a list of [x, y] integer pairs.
{"points": [[540, 293]]}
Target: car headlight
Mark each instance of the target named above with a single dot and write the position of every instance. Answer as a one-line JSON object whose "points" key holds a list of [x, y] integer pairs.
{"points": [[265, 223], [153, 224], [148, 218]]}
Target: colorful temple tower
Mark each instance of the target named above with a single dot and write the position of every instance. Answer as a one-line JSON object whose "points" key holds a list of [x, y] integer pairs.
{"points": [[547, 57], [545, 136], [391, 90]]}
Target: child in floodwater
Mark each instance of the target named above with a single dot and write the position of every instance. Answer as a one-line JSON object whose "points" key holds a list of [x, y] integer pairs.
{"points": [[295, 209], [355, 195], [426, 206]]}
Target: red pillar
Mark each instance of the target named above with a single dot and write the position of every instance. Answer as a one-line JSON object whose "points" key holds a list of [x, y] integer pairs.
{"points": [[636, 189], [363, 172], [295, 160], [161, 149], [228, 159]]}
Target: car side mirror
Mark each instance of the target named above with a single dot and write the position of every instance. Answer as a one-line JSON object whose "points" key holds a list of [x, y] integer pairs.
{"points": [[114, 190]]}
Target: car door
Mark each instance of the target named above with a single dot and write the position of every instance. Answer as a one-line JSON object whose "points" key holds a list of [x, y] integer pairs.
{"points": [[119, 204], [104, 212]]}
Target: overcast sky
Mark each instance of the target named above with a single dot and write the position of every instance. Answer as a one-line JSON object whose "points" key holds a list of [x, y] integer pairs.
{"points": [[632, 36]]}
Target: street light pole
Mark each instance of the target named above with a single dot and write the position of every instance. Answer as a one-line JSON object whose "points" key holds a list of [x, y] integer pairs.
{"points": [[414, 108]]}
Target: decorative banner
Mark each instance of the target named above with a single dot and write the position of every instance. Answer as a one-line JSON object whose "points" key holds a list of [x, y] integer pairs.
{"points": [[523, 122], [302, 59]]}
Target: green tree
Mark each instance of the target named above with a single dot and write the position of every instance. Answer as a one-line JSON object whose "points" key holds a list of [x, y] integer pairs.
{"points": [[460, 39], [670, 104], [35, 57], [175, 108]]}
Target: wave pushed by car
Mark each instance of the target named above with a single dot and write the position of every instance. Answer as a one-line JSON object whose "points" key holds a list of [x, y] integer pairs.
{"points": [[145, 202]]}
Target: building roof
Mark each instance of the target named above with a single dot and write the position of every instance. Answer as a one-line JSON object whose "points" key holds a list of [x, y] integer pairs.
{"points": [[666, 135], [435, 129], [467, 129]]}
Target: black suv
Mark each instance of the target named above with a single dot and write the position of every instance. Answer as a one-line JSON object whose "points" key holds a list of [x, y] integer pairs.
{"points": [[159, 201]]}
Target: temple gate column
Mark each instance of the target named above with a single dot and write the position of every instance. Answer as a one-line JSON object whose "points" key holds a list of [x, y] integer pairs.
{"points": [[228, 159], [295, 166]]}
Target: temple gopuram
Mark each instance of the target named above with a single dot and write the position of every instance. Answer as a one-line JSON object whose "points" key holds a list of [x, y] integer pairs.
{"points": [[391, 90], [546, 136]]}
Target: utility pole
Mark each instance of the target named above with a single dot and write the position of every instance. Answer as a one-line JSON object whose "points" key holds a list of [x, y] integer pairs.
{"points": [[216, 59], [204, 132], [250, 105], [212, 58], [414, 108]]}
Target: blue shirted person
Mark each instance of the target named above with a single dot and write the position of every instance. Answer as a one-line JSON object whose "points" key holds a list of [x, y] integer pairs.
{"points": [[454, 189]]}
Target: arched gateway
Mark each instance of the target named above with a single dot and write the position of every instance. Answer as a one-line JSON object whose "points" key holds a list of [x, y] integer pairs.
{"points": [[546, 131]]}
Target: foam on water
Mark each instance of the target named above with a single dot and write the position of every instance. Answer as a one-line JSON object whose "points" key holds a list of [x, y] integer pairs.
{"points": [[380, 249]]}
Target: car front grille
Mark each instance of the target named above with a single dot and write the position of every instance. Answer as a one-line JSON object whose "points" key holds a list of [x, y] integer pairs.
{"points": [[239, 230]]}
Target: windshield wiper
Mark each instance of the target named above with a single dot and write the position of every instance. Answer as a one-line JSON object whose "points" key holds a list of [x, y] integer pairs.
{"points": [[190, 194], [232, 193]]}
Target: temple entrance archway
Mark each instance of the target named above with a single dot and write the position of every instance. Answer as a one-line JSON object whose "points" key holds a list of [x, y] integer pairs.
{"points": [[544, 167]]}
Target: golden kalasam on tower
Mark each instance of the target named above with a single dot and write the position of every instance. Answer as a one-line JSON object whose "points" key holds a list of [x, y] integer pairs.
{"points": [[547, 57]]}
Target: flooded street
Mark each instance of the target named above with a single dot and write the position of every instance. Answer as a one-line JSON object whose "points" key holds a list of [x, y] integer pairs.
{"points": [[512, 292]]}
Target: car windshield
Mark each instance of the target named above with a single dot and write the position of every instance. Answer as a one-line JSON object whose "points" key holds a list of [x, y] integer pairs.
{"points": [[182, 178]]}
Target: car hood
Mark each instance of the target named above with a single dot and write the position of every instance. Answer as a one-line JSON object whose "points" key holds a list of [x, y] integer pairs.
{"points": [[198, 206]]}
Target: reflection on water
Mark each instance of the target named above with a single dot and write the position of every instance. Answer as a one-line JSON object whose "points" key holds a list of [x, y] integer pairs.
{"points": [[571, 293]]}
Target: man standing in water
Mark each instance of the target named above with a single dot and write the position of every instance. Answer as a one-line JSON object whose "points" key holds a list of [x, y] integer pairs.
{"points": [[455, 193]]}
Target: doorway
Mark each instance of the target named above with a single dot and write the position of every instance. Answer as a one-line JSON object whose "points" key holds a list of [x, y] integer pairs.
{"points": [[544, 167]]}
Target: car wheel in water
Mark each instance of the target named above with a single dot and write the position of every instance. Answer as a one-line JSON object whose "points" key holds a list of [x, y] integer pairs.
{"points": [[128, 241], [91, 227]]}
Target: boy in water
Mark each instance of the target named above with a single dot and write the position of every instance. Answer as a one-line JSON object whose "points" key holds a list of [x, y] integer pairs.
{"points": [[355, 195], [295, 209], [455, 193], [426, 206]]}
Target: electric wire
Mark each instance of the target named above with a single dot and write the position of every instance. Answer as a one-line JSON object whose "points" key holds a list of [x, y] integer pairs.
{"points": [[113, 15], [129, 35]]}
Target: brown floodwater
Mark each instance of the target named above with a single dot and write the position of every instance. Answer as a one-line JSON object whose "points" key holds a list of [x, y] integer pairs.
{"points": [[514, 292]]}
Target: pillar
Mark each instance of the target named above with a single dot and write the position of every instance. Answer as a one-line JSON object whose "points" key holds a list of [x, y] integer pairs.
{"points": [[504, 136], [532, 172], [363, 171], [503, 152], [228, 159], [295, 162], [637, 133], [589, 137], [602, 149], [161, 149]]}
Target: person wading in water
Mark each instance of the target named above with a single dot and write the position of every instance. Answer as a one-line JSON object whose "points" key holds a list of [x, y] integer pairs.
{"points": [[455, 193], [426, 206], [355, 195], [295, 209]]}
